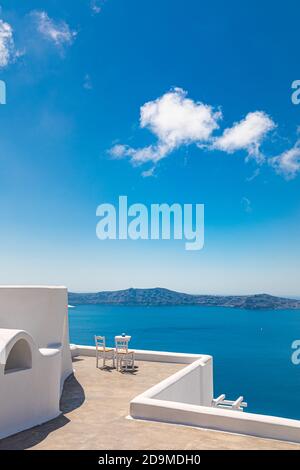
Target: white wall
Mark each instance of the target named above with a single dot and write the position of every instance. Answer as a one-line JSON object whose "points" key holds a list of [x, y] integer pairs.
{"points": [[270, 427], [193, 385], [35, 317], [28, 396], [186, 396], [42, 312]]}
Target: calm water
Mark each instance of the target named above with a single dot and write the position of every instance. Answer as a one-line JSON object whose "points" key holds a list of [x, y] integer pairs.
{"points": [[251, 349]]}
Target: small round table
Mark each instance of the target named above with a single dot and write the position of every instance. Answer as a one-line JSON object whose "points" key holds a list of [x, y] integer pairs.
{"points": [[124, 338]]}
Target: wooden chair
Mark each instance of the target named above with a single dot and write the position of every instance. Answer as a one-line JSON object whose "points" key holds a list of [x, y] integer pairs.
{"points": [[124, 357], [103, 351]]}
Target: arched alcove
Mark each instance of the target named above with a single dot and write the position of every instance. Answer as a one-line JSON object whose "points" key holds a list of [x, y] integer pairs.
{"points": [[19, 358]]}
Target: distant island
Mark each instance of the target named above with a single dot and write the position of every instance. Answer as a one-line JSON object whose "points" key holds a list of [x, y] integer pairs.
{"points": [[165, 297]]}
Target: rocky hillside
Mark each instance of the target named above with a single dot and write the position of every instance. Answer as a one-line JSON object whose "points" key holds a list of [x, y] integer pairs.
{"points": [[160, 296]]}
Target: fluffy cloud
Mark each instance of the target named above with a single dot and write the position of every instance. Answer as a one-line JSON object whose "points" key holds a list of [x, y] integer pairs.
{"points": [[247, 134], [178, 120], [58, 32], [7, 47], [288, 163], [152, 153], [175, 120]]}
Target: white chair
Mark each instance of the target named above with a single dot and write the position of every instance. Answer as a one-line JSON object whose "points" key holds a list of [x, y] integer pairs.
{"points": [[125, 358], [103, 351]]}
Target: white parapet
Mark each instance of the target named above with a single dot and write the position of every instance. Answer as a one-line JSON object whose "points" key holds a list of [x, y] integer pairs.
{"points": [[35, 356], [186, 398], [142, 355]]}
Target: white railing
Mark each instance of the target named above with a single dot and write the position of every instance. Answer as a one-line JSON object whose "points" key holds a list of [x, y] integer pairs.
{"points": [[239, 404]]}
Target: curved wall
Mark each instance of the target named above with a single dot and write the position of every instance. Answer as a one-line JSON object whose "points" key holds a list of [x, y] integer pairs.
{"points": [[42, 312], [35, 356]]}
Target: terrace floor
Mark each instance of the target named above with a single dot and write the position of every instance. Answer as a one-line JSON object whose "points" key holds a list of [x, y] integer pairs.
{"points": [[95, 404]]}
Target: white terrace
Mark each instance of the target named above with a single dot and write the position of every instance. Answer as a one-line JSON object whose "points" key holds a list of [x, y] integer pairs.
{"points": [[166, 403]]}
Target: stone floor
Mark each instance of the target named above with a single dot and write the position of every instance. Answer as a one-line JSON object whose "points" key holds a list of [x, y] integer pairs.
{"points": [[95, 405]]}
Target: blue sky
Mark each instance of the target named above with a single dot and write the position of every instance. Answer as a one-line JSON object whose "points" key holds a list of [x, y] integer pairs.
{"points": [[78, 75]]}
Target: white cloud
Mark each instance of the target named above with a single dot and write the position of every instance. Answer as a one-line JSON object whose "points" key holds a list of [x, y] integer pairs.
{"points": [[175, 120], [149, 173], [247, 134], [178, 120], [58, 32], [7, 47], [254, 175], [118, 151], [152, 153], [288, 162]]}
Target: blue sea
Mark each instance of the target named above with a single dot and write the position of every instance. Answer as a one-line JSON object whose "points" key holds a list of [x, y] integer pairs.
{"points": [[251, 349]]}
